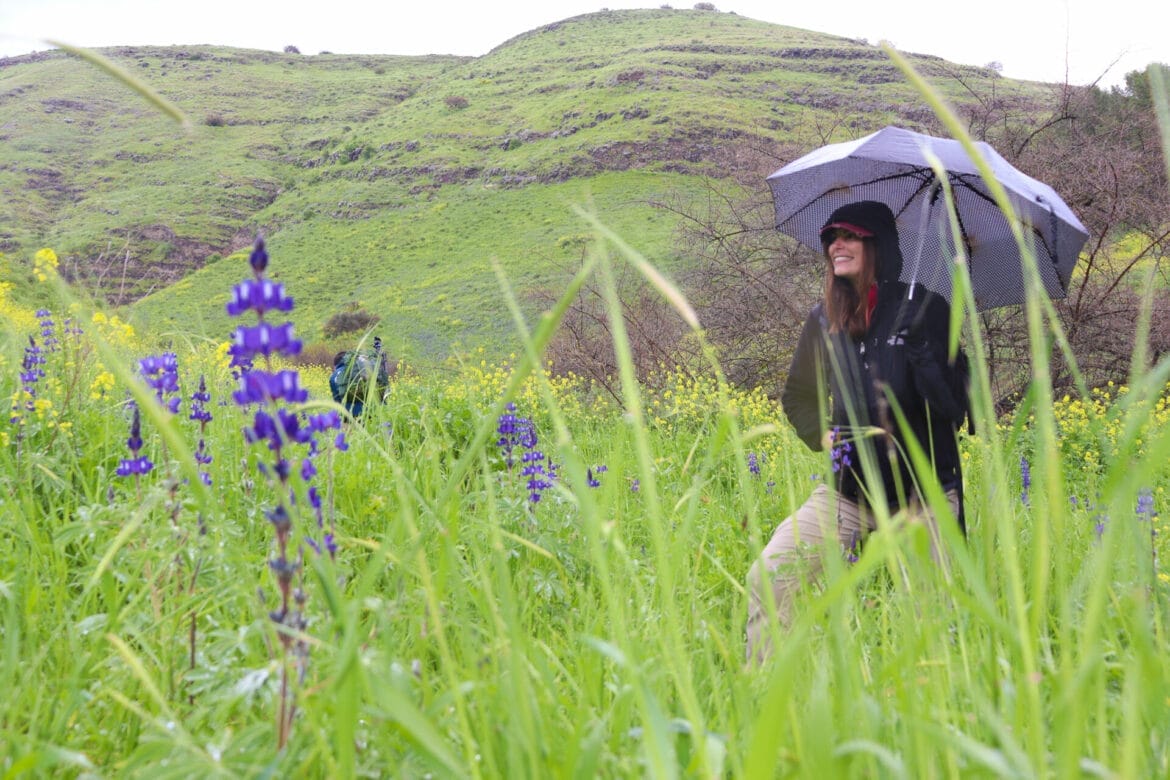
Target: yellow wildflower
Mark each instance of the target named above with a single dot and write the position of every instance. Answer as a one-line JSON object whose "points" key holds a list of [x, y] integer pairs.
{"points": [[45, 264], [102, 384]]}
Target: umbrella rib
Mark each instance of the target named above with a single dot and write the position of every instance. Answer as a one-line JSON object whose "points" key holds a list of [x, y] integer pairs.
{"points": [[962, 178], [925, 174]]}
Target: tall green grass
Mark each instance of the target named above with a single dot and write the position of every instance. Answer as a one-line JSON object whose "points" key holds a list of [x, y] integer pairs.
{"points": [[465, 631]]}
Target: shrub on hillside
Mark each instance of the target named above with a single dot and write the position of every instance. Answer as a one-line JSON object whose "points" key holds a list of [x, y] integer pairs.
{"points": [[351, 321], [628, 76], [456, 102]]}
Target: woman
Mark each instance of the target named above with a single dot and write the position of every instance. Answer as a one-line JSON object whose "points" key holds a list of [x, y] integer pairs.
{"points": [[867, 353]]}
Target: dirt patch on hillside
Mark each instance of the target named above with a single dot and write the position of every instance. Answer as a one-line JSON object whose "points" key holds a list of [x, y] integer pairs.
{"points": [[151, 258]]}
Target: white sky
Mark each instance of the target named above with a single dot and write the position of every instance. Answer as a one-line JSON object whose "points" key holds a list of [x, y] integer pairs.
{"points": [[1089, 40]]}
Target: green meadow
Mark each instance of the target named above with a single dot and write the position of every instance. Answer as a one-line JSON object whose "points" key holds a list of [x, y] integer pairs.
{"points": [[460, 628], [501, 571]]}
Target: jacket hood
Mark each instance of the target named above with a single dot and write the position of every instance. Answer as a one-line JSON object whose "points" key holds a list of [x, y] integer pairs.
{"points": [[875, 217]]}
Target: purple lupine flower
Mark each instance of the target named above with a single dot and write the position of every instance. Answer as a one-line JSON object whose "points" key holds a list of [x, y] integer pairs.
{"points": [[30, 373], [526, 436], [840, 452], [161, 373], [539, 479], [589, 479], [1025, 479], [264, 340], [136, 464], [260, 296], [240, 364], [514, 432], [635, 485], [320, 423], [199, 400], [71, 328], [48, 329], [202, 456], [318, 510], [258, 259], [1145, 505], [753, 463], [260, 387], [1099, 527], [202, 415], [204, 459], [269, 393], [852, 550], [1146, 512]]}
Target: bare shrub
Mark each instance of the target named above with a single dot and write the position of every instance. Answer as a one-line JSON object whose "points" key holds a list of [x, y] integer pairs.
{"points": [[215, 119], [584, 343], [291, 50], [349, 321], [751, 287], [1102, 153], [705, 7], [456, 102]]}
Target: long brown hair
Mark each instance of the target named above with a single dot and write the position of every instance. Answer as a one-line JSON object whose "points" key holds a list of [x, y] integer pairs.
{"points": [[845, 303]]}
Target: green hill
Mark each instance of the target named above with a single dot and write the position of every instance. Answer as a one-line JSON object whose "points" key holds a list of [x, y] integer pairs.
{"points": [[391, 184]]}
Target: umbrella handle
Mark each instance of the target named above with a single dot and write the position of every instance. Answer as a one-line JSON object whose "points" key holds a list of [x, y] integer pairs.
{"points": [[923, 220], [1054, 226]]}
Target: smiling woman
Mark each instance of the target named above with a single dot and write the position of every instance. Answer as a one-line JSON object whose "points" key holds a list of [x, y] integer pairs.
{"points": [[867, 355]]}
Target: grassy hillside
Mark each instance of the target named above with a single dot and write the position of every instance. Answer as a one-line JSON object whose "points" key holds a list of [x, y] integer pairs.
{"points": [[391, 183]]}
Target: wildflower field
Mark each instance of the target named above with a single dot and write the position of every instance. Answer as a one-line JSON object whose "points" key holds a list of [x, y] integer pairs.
{"points": [[208, 570], [502, 572]]}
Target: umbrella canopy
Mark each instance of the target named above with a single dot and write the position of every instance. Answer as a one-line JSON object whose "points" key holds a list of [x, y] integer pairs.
{"points": [[891, 166]]}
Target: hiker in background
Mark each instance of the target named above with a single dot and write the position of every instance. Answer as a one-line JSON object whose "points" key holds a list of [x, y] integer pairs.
{"points": [[864, 350], [359, 376]]}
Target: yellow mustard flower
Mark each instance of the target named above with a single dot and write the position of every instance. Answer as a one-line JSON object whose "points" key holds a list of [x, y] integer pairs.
{"points": [[45, 264]]}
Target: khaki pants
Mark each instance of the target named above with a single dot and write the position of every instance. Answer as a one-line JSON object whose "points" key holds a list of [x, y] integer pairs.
{"points": [[793, 556]]}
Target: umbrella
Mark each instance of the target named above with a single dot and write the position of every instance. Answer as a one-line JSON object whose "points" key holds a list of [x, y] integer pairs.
{"points": [[891, 166]]}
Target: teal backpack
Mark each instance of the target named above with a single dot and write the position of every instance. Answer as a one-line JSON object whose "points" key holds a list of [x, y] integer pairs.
{"points": [[352, 374]]}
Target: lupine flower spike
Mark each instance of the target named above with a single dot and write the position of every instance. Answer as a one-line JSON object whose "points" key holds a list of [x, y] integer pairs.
{"points": [[283, 431], [161, 372], [137, 464], [1025, 479], [519, 433], [841, 452], [202, 415]]}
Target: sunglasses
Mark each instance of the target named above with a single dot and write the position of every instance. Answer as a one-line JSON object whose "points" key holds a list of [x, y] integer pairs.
{"points": [[829, 236]]}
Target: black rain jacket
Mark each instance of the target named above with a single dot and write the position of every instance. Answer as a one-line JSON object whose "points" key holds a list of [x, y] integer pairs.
{"points": [[900, 361]]}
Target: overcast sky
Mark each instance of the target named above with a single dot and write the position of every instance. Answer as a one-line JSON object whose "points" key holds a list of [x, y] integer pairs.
{"points": [[1045, 40]]}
